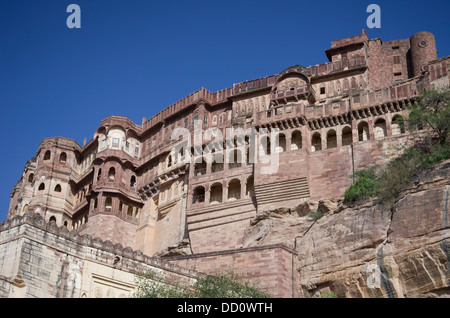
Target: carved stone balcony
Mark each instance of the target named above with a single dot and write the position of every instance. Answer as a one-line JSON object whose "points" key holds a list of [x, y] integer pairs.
{"points": [[294, 94]]}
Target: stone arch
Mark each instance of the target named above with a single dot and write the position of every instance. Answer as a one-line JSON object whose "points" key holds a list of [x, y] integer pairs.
{"points": [[111, 174], [264, 145], [281, 143], [338, 87], [353, 83], [198, 195], [47, 155], [398, 125], [250, 187], [133, 182], [330, 89], [379, 129], [58, 188], [234, 159], [363, 131], [296, 140], [346, 85], [63, 157], [347, 136], [234, 189], [41, 186], [216, 193], [331, 139], [316, 142], [108, 203]]}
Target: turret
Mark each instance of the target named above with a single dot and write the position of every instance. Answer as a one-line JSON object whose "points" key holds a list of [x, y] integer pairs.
{"points": [[423, 51]]}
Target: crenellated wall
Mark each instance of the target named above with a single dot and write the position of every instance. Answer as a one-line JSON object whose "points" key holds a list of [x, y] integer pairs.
{"points": [[38, 259]]}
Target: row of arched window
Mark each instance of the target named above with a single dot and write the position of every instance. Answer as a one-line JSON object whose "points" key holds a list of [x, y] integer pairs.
{"points": [[216, 192], [56, 189], [112, 176], [62, 156], [132, 211]]}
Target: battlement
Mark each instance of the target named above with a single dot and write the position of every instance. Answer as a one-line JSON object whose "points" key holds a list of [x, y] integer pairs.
{"points": [[44, 247]]}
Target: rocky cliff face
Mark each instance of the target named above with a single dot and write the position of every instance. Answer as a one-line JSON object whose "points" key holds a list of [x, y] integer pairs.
{"points": [[365, 250]]}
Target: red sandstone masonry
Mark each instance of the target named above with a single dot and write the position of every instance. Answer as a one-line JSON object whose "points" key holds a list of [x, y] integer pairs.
{"points": [[270, 267]]}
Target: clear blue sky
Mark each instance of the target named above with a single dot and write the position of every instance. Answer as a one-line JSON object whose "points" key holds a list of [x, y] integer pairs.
{"points": [[135, 57]]}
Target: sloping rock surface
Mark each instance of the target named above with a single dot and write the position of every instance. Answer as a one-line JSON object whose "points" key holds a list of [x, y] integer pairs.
{"points": [[366, 250]]}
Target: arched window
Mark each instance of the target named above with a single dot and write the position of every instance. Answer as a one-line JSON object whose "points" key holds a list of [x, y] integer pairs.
{"points": [[330, 89], [331, 139], [379, 130], [99, 175], [31, 177], [250, 187], [363, 131], [316, 142], [346, 85], [63, 157], [234, 189], [58, 188], [338, 87], [234, 159], [216, 193], [398, 125], [52, 219], [199, 195], [264, 145], [133, 182], [200, 168], [353, 83], [111, 174], [41, 186], [108, 203], [347, 136], [47, 155], [130, 211], [296, 140], [281, 143]]}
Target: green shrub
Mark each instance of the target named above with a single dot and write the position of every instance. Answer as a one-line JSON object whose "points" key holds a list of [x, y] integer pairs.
{"points": [[328, 295], [221, 285], [365, 186], [315, 214]]}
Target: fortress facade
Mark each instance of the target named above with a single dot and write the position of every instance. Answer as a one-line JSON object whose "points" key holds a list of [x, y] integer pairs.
{"points": [[173, 182]]}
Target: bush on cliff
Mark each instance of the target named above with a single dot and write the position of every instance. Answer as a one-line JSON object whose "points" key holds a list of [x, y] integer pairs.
{"points": [[365, 186], [432, 146], [221, 285]]}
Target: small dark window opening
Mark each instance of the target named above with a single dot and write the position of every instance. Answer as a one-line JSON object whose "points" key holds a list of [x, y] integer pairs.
{"points": [[322, 90]]}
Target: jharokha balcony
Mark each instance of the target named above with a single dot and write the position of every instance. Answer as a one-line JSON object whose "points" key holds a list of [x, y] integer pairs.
{"points": [[295, 93]]}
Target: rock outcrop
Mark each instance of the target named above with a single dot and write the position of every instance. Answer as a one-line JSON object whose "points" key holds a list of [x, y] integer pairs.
{"points": [[367, 250]]}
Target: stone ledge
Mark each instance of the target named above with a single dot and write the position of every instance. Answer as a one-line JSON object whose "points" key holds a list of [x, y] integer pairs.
{"points": [[87, 240]]}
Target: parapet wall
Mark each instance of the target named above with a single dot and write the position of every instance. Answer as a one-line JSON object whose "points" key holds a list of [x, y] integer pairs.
{"points": [[40, 260], [273, 268]]}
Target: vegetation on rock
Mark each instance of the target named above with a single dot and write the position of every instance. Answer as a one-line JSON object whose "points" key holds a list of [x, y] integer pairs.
{"points": [[430, 117], [221, 285]]}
